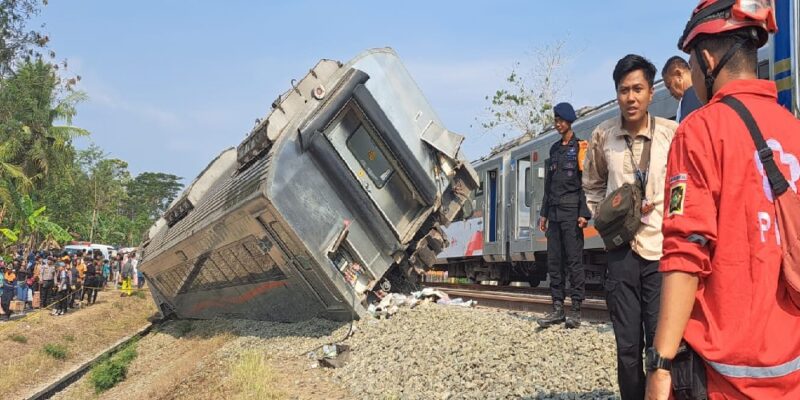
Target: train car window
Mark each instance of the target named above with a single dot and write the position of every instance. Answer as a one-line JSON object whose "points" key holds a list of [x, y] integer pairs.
{"points": [[479, 190], [528, 187], [763, 69], [492, 203], [370, 156]]}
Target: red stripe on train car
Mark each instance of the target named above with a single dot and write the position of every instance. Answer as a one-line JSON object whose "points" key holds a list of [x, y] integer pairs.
{"points": [[244, 297]]}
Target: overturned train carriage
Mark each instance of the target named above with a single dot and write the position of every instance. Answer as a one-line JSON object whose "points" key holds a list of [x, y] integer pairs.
{"points": [[350, 175]]}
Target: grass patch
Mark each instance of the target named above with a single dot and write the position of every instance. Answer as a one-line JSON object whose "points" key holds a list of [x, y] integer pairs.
{"points": [[139, 294], [19, 338], [253, 378], [184, 327], [57, 351], [108, 324], [107, 373], [69, 337]]}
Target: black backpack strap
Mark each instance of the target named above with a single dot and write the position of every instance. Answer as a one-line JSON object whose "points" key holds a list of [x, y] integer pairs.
{"points": [[777, 181]]}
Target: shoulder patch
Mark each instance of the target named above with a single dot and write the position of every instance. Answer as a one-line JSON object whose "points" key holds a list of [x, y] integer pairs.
{"points": [[583, 148], [678, 178], [677, 197]]}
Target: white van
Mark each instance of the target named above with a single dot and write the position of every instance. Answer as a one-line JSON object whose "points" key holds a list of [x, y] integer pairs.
{"points": [[108, 251]]}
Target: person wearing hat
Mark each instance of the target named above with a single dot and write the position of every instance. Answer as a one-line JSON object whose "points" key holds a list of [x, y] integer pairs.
{"points": [[730, 249], [563, 216]]}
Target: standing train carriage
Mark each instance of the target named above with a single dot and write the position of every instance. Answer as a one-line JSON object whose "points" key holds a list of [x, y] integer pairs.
{"points": [[494, 241], [350, 176]]}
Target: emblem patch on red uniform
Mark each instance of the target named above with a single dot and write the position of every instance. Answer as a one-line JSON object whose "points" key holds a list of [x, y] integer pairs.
{"points": [[677, 196], [678, 178]]}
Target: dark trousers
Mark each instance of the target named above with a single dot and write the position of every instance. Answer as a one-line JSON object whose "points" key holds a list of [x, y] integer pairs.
{"points": [[633, 290], [76, 295], [47, 293], [90, 289], [5, 300], [64, 298], [564, 253]]}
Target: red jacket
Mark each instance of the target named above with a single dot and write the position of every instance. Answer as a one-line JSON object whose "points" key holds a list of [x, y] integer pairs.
{"points": [[720, 224]]}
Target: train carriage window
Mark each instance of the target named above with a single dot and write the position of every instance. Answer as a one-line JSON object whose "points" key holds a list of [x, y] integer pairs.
{"points": [[523, 198], [528, 187], [371, 158]]}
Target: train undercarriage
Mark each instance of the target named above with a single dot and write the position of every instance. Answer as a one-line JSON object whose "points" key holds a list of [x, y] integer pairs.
{"points": [[475, 270]]}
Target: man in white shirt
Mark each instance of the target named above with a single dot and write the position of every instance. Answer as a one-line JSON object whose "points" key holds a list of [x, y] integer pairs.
{"points": [[678, 80]]}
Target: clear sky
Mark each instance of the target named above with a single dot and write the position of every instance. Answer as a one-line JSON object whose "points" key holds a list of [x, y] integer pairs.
{"points": [[173, 83]]}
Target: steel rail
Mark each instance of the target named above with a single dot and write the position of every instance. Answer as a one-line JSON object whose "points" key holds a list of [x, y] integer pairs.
{"points": [[80, 370], [536, 300]]}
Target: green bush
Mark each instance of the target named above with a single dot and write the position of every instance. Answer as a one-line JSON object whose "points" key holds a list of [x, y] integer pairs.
{"points": [[19, 338], [57, 351], [107, 373]]}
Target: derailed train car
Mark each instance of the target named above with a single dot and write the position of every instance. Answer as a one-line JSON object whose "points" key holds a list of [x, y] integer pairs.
{"points": [[350, 175]]}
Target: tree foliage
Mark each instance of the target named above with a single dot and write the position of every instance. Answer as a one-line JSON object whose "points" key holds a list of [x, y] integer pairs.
{"points": [[524, 106], [17, 42], [32, 101], [51, 191]]}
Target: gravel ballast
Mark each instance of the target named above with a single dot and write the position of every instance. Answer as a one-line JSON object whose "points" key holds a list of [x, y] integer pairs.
{"points": [[428, 352], [438, 352]]}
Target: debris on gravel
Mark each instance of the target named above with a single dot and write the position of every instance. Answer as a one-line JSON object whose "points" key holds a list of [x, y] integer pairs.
{"points": [[449, 352], [428, 352]]}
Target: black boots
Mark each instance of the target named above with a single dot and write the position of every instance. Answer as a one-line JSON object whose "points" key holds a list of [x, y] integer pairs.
{"points": [[557, 316], [574, 315], [554, 317]]}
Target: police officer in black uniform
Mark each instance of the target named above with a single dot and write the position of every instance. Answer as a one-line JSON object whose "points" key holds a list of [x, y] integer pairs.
{"points": [[563, 216]]}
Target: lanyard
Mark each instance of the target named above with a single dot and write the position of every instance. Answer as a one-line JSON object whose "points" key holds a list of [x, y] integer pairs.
{"points": [[642, 176]]}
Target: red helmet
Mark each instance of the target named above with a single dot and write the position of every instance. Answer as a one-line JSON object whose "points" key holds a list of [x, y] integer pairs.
{"points": [[717, 16]]}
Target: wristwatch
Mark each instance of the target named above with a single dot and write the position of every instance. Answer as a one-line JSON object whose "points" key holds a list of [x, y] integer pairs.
{"points": [[654, 361]]}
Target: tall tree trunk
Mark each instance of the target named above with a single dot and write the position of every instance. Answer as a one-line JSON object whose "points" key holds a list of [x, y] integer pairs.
{"points": [[94, 212]]}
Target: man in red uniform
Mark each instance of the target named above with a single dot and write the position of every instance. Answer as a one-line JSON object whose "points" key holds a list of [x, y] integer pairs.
{"points": [[722, 252]]}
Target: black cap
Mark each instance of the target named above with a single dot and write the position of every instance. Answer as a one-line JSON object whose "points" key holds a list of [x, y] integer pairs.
{"points": [[565, 112]]}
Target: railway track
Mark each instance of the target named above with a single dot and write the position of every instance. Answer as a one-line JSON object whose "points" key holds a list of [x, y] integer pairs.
{"points": [[80, 370], [522, 299]]}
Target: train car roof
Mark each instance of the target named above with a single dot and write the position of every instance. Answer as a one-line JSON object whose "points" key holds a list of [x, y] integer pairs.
{"points": [[592, 115]]}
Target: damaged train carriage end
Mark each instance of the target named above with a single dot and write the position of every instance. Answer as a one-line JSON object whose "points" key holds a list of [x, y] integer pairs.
{"points": [[350, 175]]}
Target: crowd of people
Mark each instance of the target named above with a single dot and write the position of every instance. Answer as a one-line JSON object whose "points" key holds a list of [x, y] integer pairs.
{"points": [[62, 281]]}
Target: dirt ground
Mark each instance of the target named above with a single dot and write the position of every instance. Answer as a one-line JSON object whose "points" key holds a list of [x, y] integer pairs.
{"points": [[81, 333], [224, 360]]}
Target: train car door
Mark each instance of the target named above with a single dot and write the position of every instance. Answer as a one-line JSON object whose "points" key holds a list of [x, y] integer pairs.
{"points": [[522, 206], [494, 213], [360, 145], [538, 157]]}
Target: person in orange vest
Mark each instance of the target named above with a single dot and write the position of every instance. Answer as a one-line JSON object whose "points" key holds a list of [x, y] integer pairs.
{"points": [[563, 216], [725, 310]]}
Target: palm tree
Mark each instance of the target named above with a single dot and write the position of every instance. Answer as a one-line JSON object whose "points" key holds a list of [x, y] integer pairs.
{"points": [[31, 102], [12, 179]]}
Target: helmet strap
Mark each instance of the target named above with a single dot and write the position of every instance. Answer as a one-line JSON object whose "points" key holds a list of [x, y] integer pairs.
{"points": [[711, 76]]}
